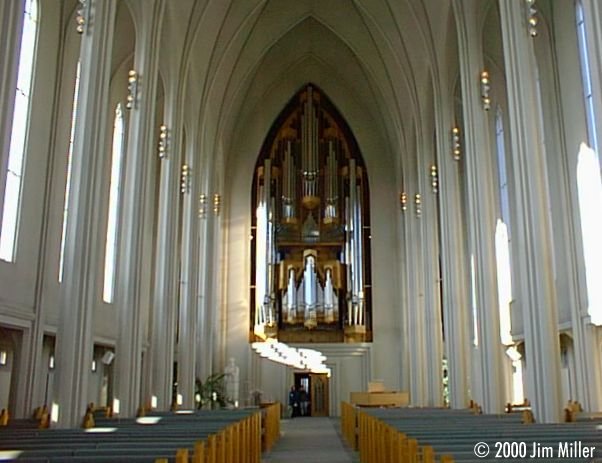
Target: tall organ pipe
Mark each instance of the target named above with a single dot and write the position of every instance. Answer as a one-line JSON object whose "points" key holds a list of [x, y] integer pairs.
{"points": [[359, 255], [267, 182], [353, 246], [309, 146], [260, 259]]}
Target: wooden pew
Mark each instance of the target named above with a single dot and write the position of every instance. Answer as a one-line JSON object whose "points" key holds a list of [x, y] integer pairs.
{"points": [[389, 435], [207, 437]]}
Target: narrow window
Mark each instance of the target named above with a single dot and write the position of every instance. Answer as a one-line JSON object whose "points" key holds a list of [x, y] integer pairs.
{"points": [[589, 184], [111, 238], [502, 169], [68, 180], [586, 79], [18, 136], [502, 235]]}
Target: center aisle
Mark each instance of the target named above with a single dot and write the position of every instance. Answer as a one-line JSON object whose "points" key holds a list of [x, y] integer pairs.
{"points": [[310, 440]]}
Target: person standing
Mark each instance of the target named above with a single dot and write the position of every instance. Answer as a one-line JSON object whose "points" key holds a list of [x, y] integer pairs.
{"points": [[293, 402], [303, 401]]}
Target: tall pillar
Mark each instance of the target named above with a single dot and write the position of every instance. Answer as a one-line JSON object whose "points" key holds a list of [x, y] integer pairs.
{"points": [[141, 147], [82, 256], [188, 315], [416, 317], [164, 307], [487, 385], [535, 286], [406, 372], [453, 258], [208, 311], [218, 327], [204, 316], [432, 299]]}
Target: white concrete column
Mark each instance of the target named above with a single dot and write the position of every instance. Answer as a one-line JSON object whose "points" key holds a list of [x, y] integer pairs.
{"points": [[219, 315], [141, 148], [535, 286], [432, 299], [487, 386], [203, 344], [164, 309], [416, 317], [82, 252], [188, 309], [403, 293], [453, 256]]}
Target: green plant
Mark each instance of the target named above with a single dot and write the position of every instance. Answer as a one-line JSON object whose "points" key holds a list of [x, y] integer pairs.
{"points": [[212, 392]]}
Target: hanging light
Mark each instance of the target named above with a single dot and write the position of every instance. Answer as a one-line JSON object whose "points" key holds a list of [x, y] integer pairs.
{"points": [[434, 178], [202, 206], [162, 146], [485, 88], [185, 179], [456, 147], [82, 15], [403, 200], [217, 203], [132, 89], [532, 19], [418, 204]]}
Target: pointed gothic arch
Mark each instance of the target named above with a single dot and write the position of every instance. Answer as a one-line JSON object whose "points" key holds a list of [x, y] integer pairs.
{"points": [[310, 276]]}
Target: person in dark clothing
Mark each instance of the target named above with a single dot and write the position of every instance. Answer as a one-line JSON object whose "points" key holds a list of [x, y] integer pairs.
{"points": [[293, 402], [303, 401]]}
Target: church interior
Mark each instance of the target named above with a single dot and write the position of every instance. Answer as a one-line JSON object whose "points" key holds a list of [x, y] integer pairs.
{"points": [[327, 194]]}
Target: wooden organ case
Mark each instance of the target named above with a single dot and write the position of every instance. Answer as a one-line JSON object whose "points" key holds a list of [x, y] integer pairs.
{"points": [[310, 279]]}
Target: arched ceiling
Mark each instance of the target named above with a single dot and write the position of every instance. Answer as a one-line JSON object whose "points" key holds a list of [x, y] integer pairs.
{"points": [[373, 58]]}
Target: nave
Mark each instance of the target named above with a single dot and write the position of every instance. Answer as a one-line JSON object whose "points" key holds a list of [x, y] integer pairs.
{"points": [[404, 192]]}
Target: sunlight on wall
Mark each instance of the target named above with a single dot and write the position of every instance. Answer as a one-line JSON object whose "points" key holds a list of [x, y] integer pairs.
{"points": [[111, 238], [590, 200], [504, 282], [473, 293]]}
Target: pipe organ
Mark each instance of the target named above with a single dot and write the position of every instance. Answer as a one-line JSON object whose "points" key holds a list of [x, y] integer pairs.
{"points": [[310, 280]]}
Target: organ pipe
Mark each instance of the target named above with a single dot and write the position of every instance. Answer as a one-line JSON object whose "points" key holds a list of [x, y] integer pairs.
{"points": [[260, 263], [359, 256], [309, 228], [330, 211], [309, 150], [288, 194]]}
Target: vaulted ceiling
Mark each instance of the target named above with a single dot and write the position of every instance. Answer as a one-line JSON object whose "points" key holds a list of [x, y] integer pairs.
{"points": [[242, 60]]}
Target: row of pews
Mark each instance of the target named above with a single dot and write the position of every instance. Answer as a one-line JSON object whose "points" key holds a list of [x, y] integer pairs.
{"points": [[217, 436], [428, 435]]}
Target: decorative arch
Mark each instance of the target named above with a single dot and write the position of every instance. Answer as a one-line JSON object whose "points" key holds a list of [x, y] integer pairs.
{"points": [[310, 276]]}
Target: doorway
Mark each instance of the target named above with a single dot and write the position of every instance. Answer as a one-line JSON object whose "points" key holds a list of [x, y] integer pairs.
{"points": [[316, 386]]}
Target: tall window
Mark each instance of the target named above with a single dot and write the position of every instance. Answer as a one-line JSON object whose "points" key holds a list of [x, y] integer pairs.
{"points": [[18, 136], [586, 79], [589, 184], [502, 235], [590, 199], [69, 164], [111, 238]]}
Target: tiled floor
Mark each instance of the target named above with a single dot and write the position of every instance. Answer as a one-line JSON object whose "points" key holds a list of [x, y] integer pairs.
{"points": [[311, 440]]}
